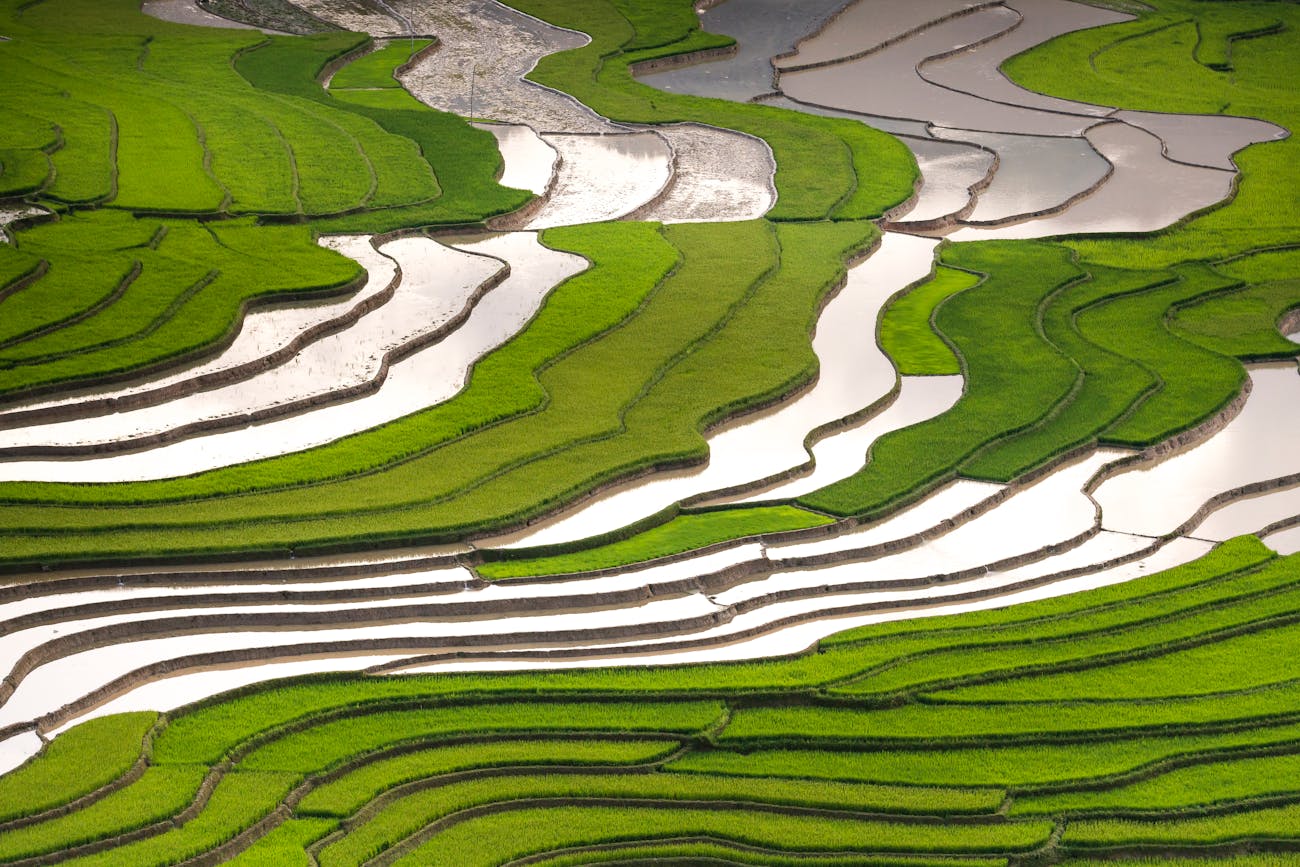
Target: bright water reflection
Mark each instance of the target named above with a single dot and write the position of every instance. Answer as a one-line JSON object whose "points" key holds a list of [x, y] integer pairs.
{"points": [[853, 374], [1259, 444], [426, 378]]}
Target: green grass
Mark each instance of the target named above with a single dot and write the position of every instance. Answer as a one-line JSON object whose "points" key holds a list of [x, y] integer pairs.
{"points": [[1233, 556], [496, 839], [1093, 637], [1181, 788], [607, 408], [1243, 323], [240, 799], [723, 853], [160, 117], [125, 294], [768, 739], [207, 735], [407, 815], [344, 796], [686, 532], [996, 320], [376, 68], [996, 765], [22, 171], [320, 747], [81, 760], [285, 845], [464, 160], [1195, 383], [1208, 669], [1164, 694], [1278, 823], [906, 333], [158, 795], [1112, 382]]}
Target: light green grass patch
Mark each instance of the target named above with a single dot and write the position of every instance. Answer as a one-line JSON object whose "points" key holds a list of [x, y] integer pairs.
{"points": [[77, 762], [906, 333], [377, 68]]}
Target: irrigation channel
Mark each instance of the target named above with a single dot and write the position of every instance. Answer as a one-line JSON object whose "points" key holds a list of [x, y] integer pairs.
{"points": [[997, 162]]}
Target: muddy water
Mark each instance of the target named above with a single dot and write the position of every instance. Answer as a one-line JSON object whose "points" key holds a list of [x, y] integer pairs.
{"points": [[853, 374], [529, 161], [864, 26], [602, 177], [10, 214], [1258, 444], [1250, 515], [174, 691], [885, 83], [718, 176], [438, 284], [897, 126], [763, 29], [978, 73], [362, 18], [843, 453], [1145, 193], [265, 330], [1207, 140], [1029, 178], [948, 172], [187, 12], [493, 47], [424, 379]]}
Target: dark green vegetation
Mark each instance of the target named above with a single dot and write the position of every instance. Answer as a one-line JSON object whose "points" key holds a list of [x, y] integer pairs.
{"points": [[1149, 718], [120, 295], [143, 115], [1120, 341], [153, 122], [1048, 729], [264, 138], [553, 412]]}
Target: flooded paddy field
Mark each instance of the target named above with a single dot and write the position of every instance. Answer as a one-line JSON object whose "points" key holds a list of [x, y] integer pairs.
{"points": [[594, 586], [433, 374]]}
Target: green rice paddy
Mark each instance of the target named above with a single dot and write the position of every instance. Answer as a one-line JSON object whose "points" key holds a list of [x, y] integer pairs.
{"points": [[774, 756], [189, 173]]}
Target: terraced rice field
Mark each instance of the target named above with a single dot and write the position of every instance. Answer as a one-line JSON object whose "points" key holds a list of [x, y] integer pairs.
{"points": [[554, 433]]}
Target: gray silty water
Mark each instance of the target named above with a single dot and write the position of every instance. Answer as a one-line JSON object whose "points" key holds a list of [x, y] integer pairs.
{"points": [[897, 126], [1145, 193], [868, 24], [1203, 139], [762, 29], [886, 83], [948, 171], [484, 51], [979, 72], [1031, 175]]}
